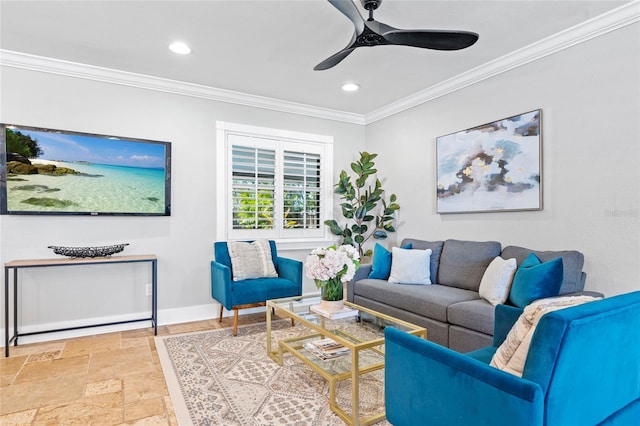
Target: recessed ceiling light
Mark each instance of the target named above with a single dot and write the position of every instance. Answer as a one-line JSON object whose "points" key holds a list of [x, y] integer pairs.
{"points": [[179, 47], [350, 87]]}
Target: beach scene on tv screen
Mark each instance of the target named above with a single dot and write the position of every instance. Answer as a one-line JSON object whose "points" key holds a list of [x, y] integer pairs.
{"points": [[75, 173]]}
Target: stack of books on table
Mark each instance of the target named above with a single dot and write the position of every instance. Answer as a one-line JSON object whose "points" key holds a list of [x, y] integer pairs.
{"points": [[326, 349], [304, 304], [345, 312]]}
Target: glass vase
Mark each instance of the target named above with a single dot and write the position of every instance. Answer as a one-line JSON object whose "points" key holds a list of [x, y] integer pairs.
{"points": [[332, 295]]}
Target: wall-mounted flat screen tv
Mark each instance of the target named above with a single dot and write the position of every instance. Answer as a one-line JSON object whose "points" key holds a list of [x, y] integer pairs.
{"points": [[60, 172]]}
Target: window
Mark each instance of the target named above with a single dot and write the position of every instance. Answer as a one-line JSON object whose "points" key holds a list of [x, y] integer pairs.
{"points": [[273, 183]]}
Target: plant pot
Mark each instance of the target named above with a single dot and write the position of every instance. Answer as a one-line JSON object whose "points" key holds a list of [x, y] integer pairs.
{"points": [[332, 305]]}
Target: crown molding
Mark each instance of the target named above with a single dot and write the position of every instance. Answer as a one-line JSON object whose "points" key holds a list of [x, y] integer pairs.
{"points": [[600, 25], [26, 61]]}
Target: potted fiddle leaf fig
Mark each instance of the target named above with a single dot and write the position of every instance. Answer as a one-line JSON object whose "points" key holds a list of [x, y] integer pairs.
{"points": [[365, 208]]}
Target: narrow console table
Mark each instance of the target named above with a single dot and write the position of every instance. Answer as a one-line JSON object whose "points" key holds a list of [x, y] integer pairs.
{"points": [[16, 265]]}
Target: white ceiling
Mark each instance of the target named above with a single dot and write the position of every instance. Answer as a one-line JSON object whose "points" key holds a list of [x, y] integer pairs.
{"points": [[269, 48]]}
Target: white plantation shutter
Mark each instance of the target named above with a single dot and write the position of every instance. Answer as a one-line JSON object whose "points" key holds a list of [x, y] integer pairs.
{"points": [[252, 187], [276, 186], [301, 190]]}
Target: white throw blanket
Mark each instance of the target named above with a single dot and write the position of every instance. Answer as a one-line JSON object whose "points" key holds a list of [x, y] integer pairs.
{"points": [[512, 354]]}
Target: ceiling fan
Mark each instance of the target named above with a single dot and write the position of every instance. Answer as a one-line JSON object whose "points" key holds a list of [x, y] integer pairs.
{"points": [[374, 33]]}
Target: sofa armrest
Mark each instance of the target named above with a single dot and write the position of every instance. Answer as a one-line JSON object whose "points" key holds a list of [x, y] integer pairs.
{"points": [[585, 293], [221, 284], [427, 381], [291, 270], [362, 273]]}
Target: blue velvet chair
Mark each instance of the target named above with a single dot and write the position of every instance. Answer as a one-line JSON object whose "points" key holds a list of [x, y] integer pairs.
{"points": [[582, 368], [251, 293]]}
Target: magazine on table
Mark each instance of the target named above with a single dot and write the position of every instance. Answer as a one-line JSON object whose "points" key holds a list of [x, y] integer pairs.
{"points": [[326, 349]]}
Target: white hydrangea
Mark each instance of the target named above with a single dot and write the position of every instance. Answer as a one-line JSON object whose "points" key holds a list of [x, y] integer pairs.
{"points": [[341, 262]]}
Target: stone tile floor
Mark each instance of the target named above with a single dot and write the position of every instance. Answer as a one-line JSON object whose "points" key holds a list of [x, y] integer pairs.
{"points": [[104, 379]]}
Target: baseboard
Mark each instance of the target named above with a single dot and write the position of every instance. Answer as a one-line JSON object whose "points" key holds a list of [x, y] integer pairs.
{"points": [[165, 317]]}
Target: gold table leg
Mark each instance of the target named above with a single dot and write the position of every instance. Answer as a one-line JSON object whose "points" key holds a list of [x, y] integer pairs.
{"points": [[355, 384]]}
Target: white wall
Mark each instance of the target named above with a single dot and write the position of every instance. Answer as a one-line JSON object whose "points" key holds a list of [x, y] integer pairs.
{"points": [[589, 95], [590, 100], [183, 242]]}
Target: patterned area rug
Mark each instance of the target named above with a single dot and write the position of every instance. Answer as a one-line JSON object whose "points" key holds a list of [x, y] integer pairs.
{"points": [[215, 378]]}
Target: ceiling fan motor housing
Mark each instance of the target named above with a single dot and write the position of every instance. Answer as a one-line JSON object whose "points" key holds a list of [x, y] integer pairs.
{"points": [[370, 4], [370, 38]]}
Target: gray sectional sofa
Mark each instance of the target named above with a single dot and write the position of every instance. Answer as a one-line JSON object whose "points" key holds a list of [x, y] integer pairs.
{"points": [[451, 309]]}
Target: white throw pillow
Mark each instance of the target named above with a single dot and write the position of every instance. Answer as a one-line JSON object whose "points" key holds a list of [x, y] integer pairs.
{"points": [[497, 279], [409, 266], [512, 353], [251, 260]]}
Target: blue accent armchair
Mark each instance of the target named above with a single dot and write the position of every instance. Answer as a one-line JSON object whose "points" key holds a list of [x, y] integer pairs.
{"points": [[582, 368], [251, 293]]}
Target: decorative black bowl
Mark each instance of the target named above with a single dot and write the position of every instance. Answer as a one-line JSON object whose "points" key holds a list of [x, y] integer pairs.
{"points": [[76, 252]]}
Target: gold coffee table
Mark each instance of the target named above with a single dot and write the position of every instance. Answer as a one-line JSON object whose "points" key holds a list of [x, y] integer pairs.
{"points": [[361, 334]]}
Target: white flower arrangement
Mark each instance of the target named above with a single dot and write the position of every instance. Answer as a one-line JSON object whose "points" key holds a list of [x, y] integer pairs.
{"points": [[332, 262]]}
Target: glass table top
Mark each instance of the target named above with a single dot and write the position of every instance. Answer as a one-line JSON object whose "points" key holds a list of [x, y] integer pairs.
{"points": [[358, 325]]}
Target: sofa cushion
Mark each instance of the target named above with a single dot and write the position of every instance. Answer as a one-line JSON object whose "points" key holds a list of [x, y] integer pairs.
{"points": [[535, 280], [381, 262], [483, 354], [258, 290], [496, 281], [436, 251], [462, 263], [475, 315], [572, 263], [410, 266], [429, 300]]}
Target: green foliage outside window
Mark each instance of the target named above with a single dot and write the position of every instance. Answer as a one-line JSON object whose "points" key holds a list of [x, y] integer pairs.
{"points": [[251, 212], [301, 211]]}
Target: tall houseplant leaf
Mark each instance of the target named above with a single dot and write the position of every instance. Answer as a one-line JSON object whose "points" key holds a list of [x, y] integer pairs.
{"points": [[363, 203]]}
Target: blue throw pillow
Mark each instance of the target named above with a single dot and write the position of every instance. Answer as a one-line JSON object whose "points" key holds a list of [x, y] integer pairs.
{"points": [[381, 262], [536, 280]]}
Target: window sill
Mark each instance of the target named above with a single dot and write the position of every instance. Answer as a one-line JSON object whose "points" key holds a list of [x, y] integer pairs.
{"points": [[307, 245]]}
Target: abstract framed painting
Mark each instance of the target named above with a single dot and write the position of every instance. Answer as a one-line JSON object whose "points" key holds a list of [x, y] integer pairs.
{"points": [[493, 167]]}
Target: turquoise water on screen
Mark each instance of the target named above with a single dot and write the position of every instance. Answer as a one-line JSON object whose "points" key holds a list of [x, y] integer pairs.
{"points": [[98, 188]]}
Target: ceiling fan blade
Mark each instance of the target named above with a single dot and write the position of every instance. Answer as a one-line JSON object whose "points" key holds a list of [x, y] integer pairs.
{"points": [[349, 9], [432, 39], [380, 27], [334, 59]]}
